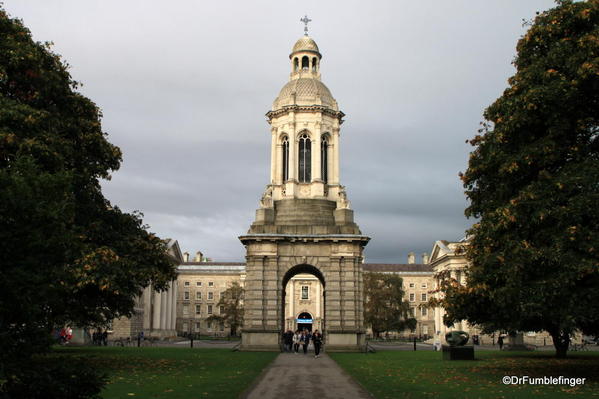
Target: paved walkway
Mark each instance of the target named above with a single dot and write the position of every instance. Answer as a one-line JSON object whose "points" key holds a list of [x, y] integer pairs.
{"points": [[303, 376]]}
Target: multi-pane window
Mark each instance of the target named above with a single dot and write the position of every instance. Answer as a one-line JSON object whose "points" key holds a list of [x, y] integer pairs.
{"points": [[285, 149], [210, 295], [305, 291], [198, 309], [209, 325], [198, 295], [185, 327], [412, 297], [221, 310], [210, 283], [423, 311], [197, 327], [222, 327], [423, 297], [304, 161], [185, 310], [411, 285], [209, 309], [186, 295], [198, 283], [186, 283]]}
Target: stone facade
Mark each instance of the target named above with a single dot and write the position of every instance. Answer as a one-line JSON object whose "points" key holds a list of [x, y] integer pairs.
{"points": [[418, 283], [200, 286], [154, 312]]}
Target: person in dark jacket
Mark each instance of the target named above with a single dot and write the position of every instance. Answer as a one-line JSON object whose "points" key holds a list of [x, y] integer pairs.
{"points": [[317, 341], [305, 340], [288, 340]]}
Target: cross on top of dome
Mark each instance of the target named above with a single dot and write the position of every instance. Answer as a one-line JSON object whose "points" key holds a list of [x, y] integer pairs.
{"points": [[305, 20]]}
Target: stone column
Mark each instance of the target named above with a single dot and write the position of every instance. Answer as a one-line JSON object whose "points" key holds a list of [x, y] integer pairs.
{"points": [[316, 168], [163, 310], [273, 156], [278, 170], [174, 305], [156, 311], [335, 170], [292, 155], [147, 298], [169, 305]]}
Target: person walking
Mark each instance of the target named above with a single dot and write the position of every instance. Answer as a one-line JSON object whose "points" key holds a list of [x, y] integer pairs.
{"points": [[288, 340], [296, 341], [317, 341], [305, 340], [500, 342]]}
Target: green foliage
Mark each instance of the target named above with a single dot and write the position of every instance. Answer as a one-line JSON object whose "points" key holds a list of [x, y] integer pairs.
{"points": [[66, 254], [385, 308], [533, 180], [232, 305], [46, 378]]}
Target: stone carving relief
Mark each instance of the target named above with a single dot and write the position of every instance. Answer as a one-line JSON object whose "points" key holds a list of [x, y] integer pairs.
{"points": [[343, 202], [266, 200]]}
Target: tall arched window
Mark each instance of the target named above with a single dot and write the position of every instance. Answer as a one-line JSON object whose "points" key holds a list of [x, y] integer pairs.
{"points": [[314, 64], [304, 158], [285, 149], [295, 64], [324, 159]]}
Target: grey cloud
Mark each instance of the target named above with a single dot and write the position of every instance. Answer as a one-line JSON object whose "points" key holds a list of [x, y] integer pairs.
{"points": [[184, 87]]}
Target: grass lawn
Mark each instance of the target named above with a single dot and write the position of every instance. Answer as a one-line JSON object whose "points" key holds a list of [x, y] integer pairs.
{"points": [[173, 373], [423, 374]]}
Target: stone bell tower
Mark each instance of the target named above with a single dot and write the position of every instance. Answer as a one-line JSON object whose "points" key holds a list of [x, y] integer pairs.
{"points": [[304, 223]]}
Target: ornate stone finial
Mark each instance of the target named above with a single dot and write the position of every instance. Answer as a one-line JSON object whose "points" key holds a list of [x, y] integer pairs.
{"points": [[305, 20]]}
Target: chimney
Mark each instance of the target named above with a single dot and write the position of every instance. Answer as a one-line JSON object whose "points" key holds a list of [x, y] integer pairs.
{"points": [[185, 256], [411, 258], [198, 257], [425, 258]]}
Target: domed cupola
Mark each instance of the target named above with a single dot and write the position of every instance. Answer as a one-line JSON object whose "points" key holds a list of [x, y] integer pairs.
{"points": [[305, 87]]}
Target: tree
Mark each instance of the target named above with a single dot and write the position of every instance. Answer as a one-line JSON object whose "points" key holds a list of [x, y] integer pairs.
{"points": [[66, 254], [385, 308], [533, 182], [231, 304]]}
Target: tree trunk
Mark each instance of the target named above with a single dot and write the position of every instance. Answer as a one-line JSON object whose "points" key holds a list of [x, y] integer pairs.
{"points": [[561, 341]]}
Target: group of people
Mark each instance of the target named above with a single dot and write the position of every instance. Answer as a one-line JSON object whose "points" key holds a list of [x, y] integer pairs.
{"points": [[65, 335], [100, 338], [292, 341]]}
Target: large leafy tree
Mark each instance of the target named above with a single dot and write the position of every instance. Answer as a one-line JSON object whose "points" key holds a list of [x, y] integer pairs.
{"points": [[231, 304], [385, 308], [533, 180], [66, 254]]}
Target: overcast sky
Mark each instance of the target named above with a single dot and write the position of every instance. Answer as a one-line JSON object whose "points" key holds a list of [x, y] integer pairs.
{"points": [[184, 86]]}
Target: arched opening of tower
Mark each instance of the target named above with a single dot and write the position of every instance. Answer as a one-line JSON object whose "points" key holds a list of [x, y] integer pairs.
{"points": [[304, 161], [324, 159], [304, 299], [305, 63], [285, 158]]}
